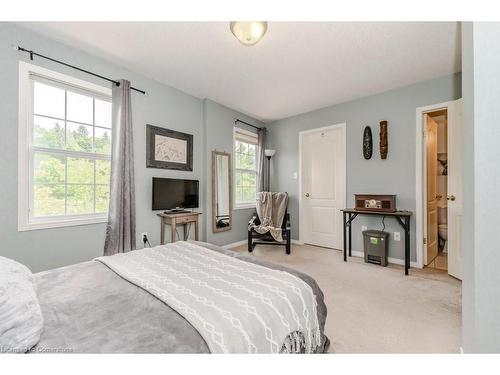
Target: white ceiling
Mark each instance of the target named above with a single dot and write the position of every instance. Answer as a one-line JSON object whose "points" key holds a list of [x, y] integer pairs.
{"points": [[297, 67]]}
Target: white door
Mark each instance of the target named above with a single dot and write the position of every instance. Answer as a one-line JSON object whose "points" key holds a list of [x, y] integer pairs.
{"points": [[323, 183], [455, 199], [431, 134]]}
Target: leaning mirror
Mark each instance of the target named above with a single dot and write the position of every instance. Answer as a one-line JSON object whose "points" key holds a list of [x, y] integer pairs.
{"points": [[221, 191]]}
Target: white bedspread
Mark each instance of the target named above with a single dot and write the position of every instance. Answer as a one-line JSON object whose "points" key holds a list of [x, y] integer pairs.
{"points": [[236, 306]]}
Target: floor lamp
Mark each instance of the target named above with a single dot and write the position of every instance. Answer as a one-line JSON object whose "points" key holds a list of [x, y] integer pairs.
{"points": [[269, 154]]}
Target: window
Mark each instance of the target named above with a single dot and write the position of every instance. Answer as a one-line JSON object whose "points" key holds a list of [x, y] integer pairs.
{"points": [[245, 168], [64, 150]]}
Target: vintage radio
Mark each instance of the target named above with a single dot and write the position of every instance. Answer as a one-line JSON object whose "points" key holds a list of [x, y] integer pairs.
{"points": [[372, 202]]}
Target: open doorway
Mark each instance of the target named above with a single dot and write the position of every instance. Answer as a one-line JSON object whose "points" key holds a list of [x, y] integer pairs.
{"points": [[436, 148], [439, 187]]}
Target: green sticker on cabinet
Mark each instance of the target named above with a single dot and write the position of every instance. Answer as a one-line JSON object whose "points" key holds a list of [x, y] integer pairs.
{"points": [[374, 240]]}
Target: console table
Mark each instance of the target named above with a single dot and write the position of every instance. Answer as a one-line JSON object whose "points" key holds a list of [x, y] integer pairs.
{"points": [[402, 217], [175, 219]]}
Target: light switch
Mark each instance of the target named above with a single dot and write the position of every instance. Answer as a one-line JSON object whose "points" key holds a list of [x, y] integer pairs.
{"points": [[397, 236], [295, 175]]}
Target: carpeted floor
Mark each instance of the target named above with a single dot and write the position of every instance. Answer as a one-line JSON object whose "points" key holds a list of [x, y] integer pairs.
{"points": [[372, 309]]}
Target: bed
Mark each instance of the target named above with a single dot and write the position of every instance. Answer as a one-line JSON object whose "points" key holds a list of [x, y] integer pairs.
{"points": [[91, 308]]}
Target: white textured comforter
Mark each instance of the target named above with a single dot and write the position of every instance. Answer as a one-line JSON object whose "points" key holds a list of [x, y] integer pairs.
{"points": [[236, 306]]}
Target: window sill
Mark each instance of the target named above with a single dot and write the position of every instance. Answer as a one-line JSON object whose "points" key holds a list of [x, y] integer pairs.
{"points": [[244, 206], [48, 224]]}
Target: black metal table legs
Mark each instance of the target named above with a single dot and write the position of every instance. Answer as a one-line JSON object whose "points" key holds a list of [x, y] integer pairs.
{"points": [[348, 233], [405, 224], [345, 224], [403, 220]]}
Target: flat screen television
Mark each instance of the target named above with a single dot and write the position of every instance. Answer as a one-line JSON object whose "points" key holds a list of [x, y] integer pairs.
{"points": [[174, 194]]}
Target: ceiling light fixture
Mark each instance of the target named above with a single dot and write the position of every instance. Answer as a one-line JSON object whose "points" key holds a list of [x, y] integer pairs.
{"points": [[248, 33]]}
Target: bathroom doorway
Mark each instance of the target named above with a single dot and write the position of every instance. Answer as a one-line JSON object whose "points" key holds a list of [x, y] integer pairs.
{"points": [[436, 145], [439, 208]]}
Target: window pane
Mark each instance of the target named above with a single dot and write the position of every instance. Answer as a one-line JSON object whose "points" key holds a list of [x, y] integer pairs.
{"points": [[102, 141], [102, 171], [247, 179], [80, 171], [48, 100], [48, 200], [101, 198], [251, 149], [79, 137], [80, 199], [249, 162], [48, 169], [239, 194], [102, 113], [249, 194], [238, 160], [48, 132], [241, 147], [80, 108]]}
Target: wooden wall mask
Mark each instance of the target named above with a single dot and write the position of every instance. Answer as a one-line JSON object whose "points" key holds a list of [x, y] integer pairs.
{"points": [[384, 145]]}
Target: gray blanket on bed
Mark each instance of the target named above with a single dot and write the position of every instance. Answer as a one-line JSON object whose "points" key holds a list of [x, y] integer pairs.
{"points": [[88, 308]]}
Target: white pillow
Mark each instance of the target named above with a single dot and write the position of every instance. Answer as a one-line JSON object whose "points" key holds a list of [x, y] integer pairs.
{"points": [[21, 320]]}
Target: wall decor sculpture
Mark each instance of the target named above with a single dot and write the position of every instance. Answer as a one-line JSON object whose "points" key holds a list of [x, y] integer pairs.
{"points": [[367, 143], [384, 146]]}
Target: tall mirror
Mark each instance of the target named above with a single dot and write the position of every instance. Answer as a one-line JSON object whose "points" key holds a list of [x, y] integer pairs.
{"points": [[222, 201]]}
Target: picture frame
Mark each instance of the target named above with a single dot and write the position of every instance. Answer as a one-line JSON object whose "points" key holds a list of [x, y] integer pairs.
{"points": [[168, 149]]}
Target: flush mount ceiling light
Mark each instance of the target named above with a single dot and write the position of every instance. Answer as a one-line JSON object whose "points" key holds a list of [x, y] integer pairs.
{"points": [[248, 33]]}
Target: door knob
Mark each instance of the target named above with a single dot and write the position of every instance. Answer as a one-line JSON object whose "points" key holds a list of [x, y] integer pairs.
{"points": [[307, 194], [451, 197]]}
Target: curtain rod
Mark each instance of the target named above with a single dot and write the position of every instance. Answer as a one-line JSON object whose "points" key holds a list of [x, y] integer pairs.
{"points": [[19, 48], [246, 123]]}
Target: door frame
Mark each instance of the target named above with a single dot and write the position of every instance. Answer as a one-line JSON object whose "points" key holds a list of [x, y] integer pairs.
{"points": [[301, 138], [421, 178]]}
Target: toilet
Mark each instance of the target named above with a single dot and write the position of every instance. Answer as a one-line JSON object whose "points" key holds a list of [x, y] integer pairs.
{"points": [[443, 234], [443, 227]]}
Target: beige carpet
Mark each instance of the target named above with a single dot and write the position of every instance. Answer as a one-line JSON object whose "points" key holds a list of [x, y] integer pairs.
{"points": [[372, 309]]}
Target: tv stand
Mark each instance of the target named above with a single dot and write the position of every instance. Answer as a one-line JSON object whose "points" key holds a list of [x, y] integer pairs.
{"points": [[179, 218]]}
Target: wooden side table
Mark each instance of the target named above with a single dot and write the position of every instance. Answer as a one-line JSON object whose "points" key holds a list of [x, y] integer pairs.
{"points": [[183, 218]]}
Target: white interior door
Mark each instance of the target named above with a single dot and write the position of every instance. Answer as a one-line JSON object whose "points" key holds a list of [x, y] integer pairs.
{"points": [[323, 184], [431, 134], [455, 199]]}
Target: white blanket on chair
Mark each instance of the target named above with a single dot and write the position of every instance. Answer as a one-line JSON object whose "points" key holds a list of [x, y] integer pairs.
{"points": [[271, 208], [236, 306]]}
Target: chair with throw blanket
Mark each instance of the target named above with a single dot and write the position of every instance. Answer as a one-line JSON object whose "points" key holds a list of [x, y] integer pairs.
{"points": [[271, 224]]}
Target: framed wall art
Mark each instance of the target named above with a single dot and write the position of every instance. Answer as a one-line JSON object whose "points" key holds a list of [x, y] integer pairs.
{"points": [[168, 149]]}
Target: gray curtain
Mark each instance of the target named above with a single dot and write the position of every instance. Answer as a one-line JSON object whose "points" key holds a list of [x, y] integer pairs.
{"points": [[120, 231], [262, 183]]}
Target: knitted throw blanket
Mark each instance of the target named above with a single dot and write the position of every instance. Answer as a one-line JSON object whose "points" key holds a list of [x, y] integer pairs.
{"points": [[236, 306]]}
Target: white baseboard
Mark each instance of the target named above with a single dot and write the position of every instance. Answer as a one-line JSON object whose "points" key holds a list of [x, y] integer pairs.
{"points": [[359, 254], [401, 262], [234, 244], [243, 242]]}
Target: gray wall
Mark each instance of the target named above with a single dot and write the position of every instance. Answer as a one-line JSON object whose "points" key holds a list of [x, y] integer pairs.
{"points": [[219, 124], [396, 175], [481, 292], [164, 106]]}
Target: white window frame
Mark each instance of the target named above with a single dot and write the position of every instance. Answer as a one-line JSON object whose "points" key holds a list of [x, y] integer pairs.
{"points": [[236, 130], [25, 147]]}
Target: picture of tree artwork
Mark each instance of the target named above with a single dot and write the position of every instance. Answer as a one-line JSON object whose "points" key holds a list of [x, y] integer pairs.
{"points": [[168, 149]]}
